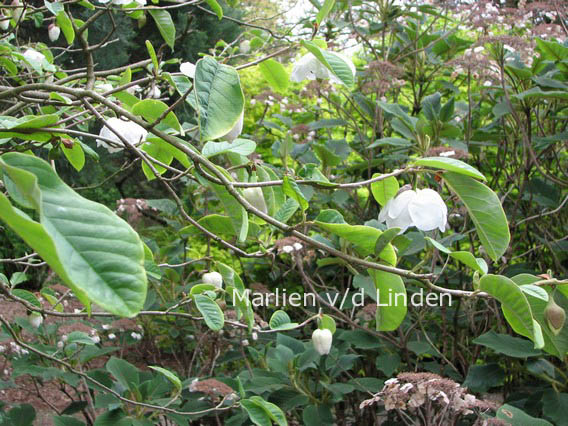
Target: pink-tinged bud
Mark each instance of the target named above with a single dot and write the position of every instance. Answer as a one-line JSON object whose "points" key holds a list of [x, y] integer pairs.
{"points": [[4, 22], [555, 316], [18, 14], [322, 340], [53, 31]]}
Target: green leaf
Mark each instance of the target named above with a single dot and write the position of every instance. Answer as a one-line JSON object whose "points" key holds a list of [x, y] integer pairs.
{"points": [[153, 56], [152, 109], [517, 417], [125, 373], [215, 7], [385, 239], [64, 22], [219, 97], [514, 304], [165, 24], [275, 74], [485, 210], [363, 237], [95, 253], [54, 7], [385, 189], [331, 61], [238, 146], [480, 378], [324, 10], [74, 155], [327, 322], [450, 164], [292, 190], [211, 312], [281, 321], [284, 213], [172, 377], [507, 345], [256, 413], [391, 300], [475, 263], [28, 296], [20, 415], [273, 411], [555, 406]]}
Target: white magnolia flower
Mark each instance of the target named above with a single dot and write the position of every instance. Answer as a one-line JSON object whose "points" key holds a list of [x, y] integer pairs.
{"points": [[298, 246], [256, 198], [213, 278], [106, 326], [2, 349], [132, 132], [235, 132], [34, 57], [60, 345], [322, 341], [112, 336], [136, 336], [4, 22], [423, 208], [35, 320], [96, 339], [244, 46], [287, 249], [18, 13], [309, 67], [133, 89], [155, 93], [53, 32], [187, 69]]}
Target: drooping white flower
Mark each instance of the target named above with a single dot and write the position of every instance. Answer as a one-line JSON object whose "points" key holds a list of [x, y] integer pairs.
{"points": [[298, 246], [213, 278], [256, 198], [309, 67], [287, 249], [155, 93], [34, 58], [322, 340], [53, 31], [187, 69], [132, 132], [112, 336], [35, 320], [133, 89], [4, 22], [423, 208], [235, 132], [18, 13], [244, 46]]}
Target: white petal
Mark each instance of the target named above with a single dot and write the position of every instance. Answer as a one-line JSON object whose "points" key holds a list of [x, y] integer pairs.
{"points": [[428, 210], [400, 203], [132, 132], [236, 130], [305, 68], [402, 221], [187, 69]]}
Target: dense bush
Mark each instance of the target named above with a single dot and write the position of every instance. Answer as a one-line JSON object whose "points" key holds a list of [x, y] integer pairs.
{"points": [[213, 215]]}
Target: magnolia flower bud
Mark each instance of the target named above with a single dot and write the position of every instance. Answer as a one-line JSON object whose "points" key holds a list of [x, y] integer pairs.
{"points": [[322, 341], [244, 47], [35, 320], [53, 32], [213, 278], [555, 316], [187, 69], [256, 198]]}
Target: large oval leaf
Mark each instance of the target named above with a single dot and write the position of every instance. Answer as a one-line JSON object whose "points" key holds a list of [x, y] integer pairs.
{"points": [[211, 312], [450, 164], [165, 25], [219, 97], [275, 74], [391, 300], [95, 252], [485, 210], [515, 306]]}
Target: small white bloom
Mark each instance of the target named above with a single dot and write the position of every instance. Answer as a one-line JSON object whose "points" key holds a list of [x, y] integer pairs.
{"points": [[131, 131], [103, 87], [255, 197], [53, 32], [96, 339], [253, 101], [64, 338], [245, 342], [77, 311], [136, 336], [60, 344], [18, 13], [4, 22], [236, 130], [35, 320], [322, 340], [133, 89], [34, 57], [478, 49], [187, 69], [2, 349], [254, 335], [106, 326], [487, 83], [244, 46], [447, 154], [112, 336], [287, 249], [423, 209], [309, 67], [298, 246], [213, 278], [155, 93]]}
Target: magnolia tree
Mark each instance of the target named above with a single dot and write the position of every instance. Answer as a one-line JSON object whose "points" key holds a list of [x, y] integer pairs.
{"points": [[368, 176]]}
